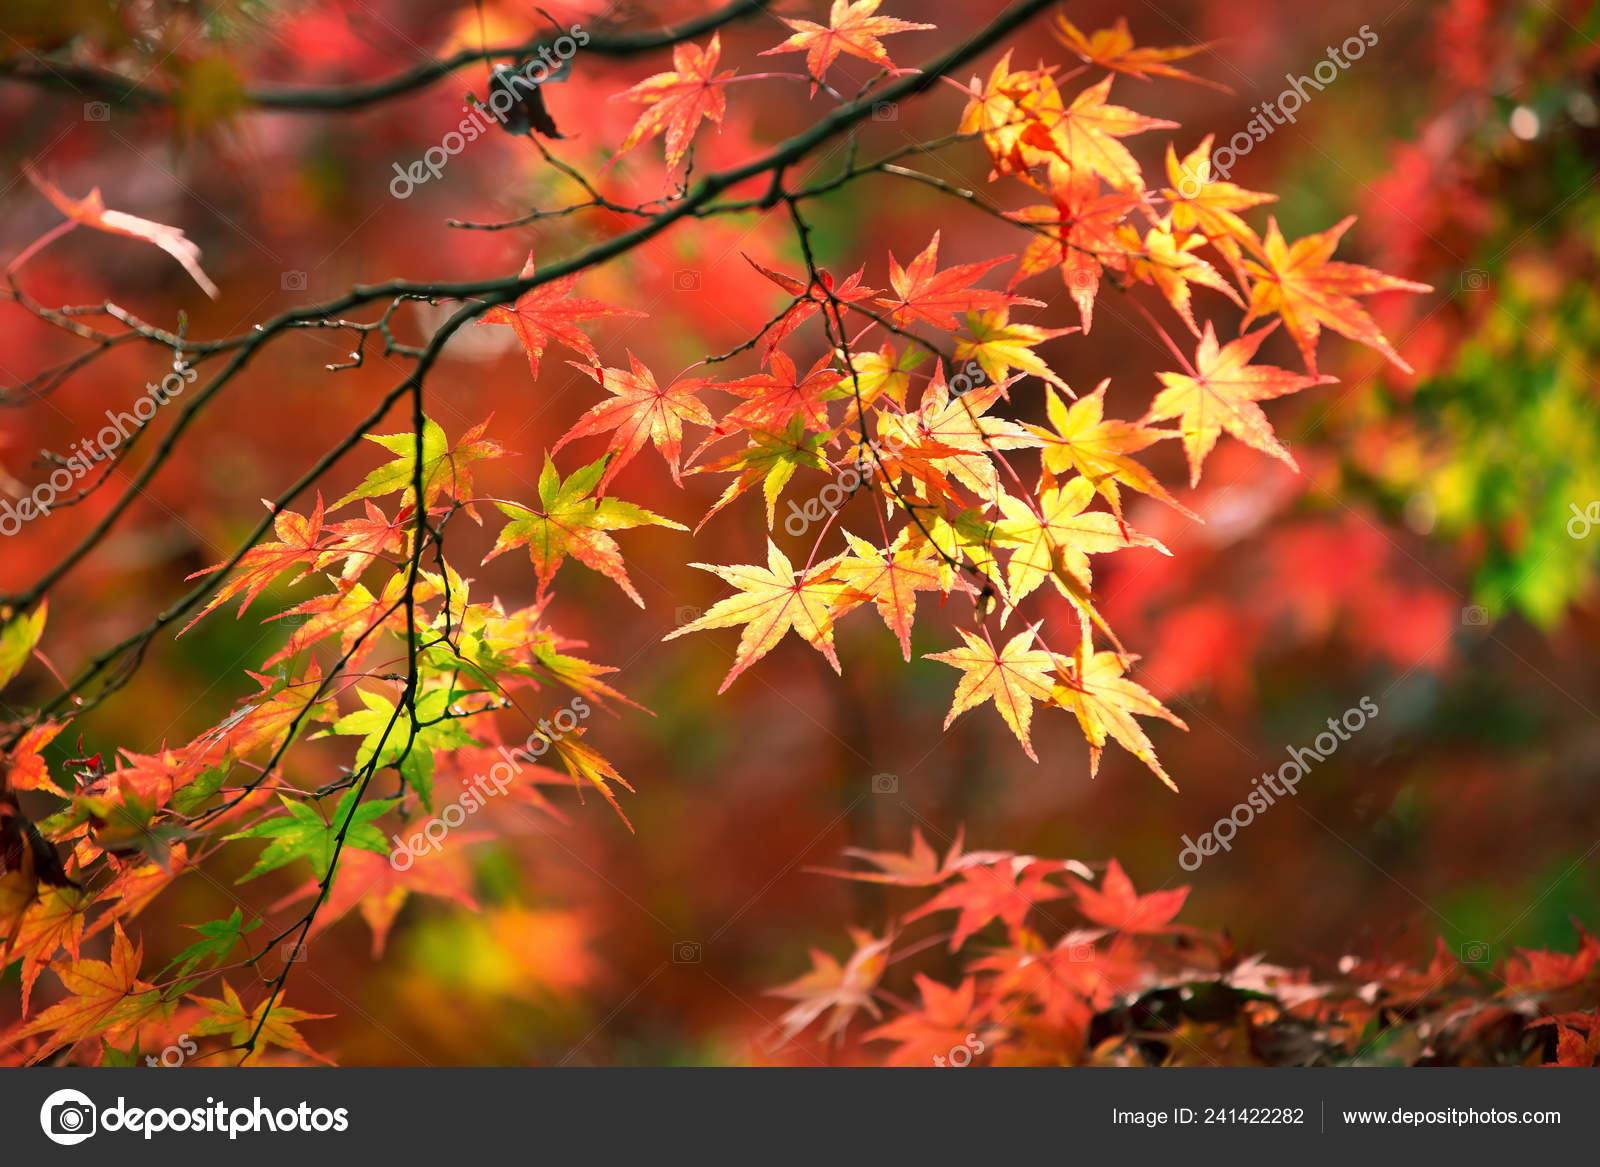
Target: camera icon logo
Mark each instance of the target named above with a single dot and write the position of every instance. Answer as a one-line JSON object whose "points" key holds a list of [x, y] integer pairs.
{"points": [[1474, 952], [885, 784], [96, 111], [1474, 280], [686, 952], [685, 614], [67, 1117], [1475, 615], [294, 281], [885, 111], [685, 280]]}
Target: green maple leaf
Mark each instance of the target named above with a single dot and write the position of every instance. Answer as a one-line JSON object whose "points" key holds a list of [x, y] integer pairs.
{"points": [[386, 735], [302, 834], [446, 469], [572, 523]]}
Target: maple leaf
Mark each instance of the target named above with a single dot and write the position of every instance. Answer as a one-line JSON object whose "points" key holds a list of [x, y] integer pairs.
{"points": [[1000, 346], [1171, 265], [782, 394], [240, 1024], [378, 889], [1106, 702], [1198, 203], [923, 292], [24, 767], [640, 410], [1117, 905], [360, 542], [877, 374], [352, 614], [1113, 48], [891, 579], [1013, 677], [406, 739], [1077, 234], [1088, 133], [548, 312], [108, 1000], [572, 523], [297, 549], [1084, 441], [844, 988], [1016, 113], [679, 100], [90, 211], [302, 833], [18, 636], [958, 424], [771, 459], [1222, 395], [586, 765], [928, 1035], [1056, 542], [852, 29], [771, 601], [809, 299], [446, 469], [920, 867], [53, 922], [1301, 284], [986, 893]]}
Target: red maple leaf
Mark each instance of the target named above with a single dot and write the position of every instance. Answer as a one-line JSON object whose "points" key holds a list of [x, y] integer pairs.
{"points": [[547, 312]]}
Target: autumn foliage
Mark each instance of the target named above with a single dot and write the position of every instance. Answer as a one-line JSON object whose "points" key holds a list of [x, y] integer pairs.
{"points": [[950, 481]]}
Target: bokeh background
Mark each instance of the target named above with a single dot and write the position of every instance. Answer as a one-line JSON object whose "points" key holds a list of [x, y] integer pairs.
{"points": [[1432, 555]]}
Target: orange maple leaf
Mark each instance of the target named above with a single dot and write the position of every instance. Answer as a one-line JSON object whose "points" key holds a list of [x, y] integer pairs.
{"points": [[930, 1035], [1113, 48], [1222, 395], [1105, 702], [1013, 677], [1077, 233], [297, 548], [771, 601], [852, 29], [1087, 135], [1301, 285], [548, 311], [920, 867], [679, 100], [1117, 905], [987, 893], [809, 299], [891, 579], [108, 1000], [641, 410], [923, 292], [844, 988]]}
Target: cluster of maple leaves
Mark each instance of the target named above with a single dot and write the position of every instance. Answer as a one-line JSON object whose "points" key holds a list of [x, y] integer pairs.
{"points": [[953, 515], [1080, 974]]}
